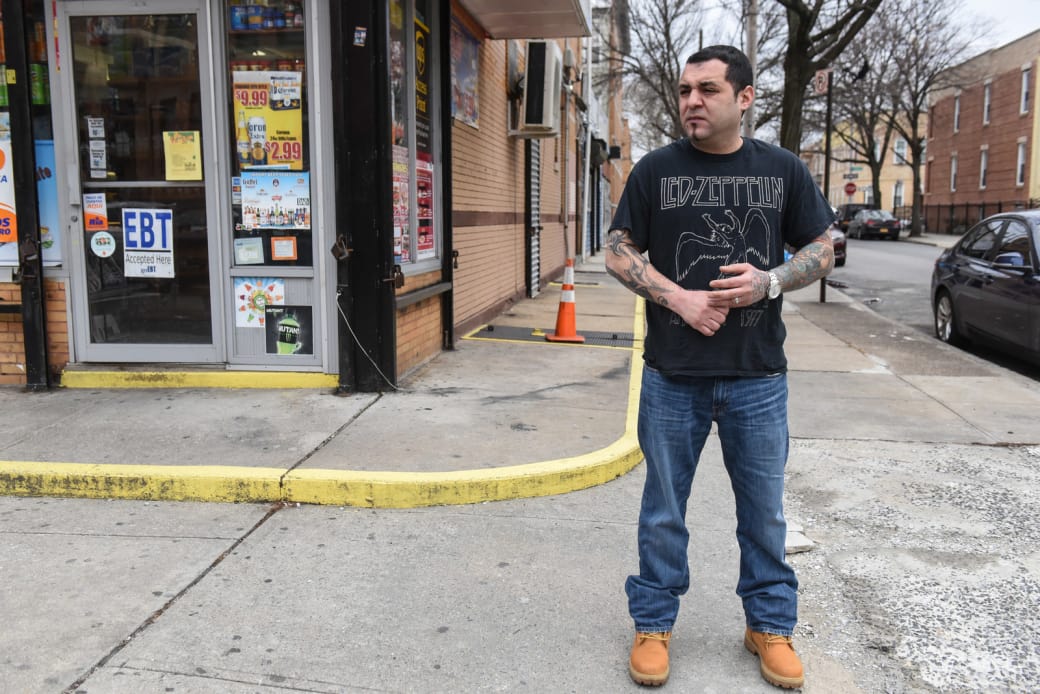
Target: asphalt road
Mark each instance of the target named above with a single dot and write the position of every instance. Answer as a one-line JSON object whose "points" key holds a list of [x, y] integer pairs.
{"points": [[894, 279]]}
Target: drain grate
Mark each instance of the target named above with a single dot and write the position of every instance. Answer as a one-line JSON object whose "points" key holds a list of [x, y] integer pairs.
{"points": [[508, 332]]}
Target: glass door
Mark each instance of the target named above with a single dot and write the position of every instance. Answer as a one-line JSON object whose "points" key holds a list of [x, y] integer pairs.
{"points": [[141, 164]]}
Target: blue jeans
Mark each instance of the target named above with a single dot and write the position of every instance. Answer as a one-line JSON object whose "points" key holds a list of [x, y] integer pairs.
{"points": [[675, 417]]}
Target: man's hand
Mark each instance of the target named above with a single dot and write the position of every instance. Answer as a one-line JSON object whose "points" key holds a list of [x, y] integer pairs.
{"points": [[745, 285], [699, 310]]}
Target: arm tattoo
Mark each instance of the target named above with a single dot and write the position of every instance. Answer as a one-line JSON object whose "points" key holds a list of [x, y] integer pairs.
{"points": [[634, 273], [812, 262]]}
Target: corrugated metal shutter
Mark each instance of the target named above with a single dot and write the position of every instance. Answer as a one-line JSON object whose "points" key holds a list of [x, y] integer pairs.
{"points": [[533, 214]]}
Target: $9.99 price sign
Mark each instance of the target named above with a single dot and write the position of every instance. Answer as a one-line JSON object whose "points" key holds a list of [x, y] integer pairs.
{"points": [[268, 116]]}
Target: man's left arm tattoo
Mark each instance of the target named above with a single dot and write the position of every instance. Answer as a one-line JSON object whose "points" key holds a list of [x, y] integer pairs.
{"points": [[810, 263]]}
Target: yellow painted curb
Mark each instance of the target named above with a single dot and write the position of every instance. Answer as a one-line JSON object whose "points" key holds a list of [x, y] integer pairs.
{"points": [[338, 487], [197, 379], [147, 482]]}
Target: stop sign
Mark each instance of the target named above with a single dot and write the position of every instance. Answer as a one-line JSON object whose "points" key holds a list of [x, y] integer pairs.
{"points": [[850, 188]]}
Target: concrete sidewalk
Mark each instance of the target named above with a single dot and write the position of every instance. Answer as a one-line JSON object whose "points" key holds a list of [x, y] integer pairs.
{"points": [[111, 595], [504, 415]]}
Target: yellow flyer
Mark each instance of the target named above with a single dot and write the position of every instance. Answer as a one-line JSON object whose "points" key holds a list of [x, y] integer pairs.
{"points": [[268, 119], [183, 153]]}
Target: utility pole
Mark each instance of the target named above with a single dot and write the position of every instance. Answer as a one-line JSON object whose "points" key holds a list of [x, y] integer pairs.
{"points": [[752, 54]]}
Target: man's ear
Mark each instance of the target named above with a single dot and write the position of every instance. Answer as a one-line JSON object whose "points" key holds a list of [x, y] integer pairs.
{"points": [[746, 97]]}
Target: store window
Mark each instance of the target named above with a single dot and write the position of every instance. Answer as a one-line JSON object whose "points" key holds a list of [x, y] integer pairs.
{"points": [[414, 88], [46, 170], [270, 185]]}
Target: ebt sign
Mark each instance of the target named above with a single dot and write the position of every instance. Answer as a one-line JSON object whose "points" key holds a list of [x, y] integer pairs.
{"points": [[147, 243]]}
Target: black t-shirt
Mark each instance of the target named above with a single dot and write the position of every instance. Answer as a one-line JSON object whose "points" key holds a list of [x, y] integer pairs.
{"points": [[693, 212]]}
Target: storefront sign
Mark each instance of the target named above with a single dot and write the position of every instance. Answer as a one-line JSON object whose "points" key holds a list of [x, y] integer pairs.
{"points": [[276, 200], [402, 243], [51, 233], [147, 243], [249, 251], [95, 212], [182, 150], [270, 105]]}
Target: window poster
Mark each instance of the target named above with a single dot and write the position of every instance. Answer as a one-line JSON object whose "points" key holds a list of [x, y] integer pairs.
{"points": [[252, 297], [465, 72], [425, 242], [289, 330], [8, 219], [268, 112], [182, 151], [402, 241], [147, 242], [275, 200]]}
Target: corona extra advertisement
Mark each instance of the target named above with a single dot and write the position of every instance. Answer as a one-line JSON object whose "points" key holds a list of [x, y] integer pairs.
{"points": [[269, 119]]}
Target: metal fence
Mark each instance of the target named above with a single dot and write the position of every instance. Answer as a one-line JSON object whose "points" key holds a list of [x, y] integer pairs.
{"points": [[956, 219]]}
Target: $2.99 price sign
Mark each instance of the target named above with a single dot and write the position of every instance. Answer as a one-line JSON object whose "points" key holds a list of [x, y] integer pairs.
{"points": [[280, 124]]}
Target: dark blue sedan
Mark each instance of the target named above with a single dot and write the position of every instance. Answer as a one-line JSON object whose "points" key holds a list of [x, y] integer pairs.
{"points": [[987, 286]]}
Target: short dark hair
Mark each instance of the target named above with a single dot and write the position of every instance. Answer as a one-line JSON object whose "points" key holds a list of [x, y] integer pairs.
{"points": [[738, 67]]}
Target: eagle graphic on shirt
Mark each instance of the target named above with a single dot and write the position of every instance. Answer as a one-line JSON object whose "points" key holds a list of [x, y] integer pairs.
{"points": [[724, 243]]}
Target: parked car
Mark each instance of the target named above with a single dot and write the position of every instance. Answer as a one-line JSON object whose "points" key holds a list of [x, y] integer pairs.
{"points": [[880, 223], [846, 212], [987, 286], [838, 239]]}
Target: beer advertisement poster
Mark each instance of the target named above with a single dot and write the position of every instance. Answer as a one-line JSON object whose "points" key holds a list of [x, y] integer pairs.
{"points": [[268, 113], [276, 200], [289, 330]]}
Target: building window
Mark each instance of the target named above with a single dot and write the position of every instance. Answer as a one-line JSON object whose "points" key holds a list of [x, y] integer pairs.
{"points": [[953, 174], [1020, 165], [900, 150], [1024, 107], [983, 168], [415, 131], [897, 194], [987, 94], [957, 113]]}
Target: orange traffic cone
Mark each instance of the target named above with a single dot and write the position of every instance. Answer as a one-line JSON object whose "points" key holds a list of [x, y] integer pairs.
{"points": [[566, 331]]}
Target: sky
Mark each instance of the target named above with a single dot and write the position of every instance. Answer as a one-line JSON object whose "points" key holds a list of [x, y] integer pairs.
{"points": [[1009, 19]]}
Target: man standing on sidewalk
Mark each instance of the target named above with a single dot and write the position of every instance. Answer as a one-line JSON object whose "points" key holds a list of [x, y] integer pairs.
{"points": [[713, 212]]}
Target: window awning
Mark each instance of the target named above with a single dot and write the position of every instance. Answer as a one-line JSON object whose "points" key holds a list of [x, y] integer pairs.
{"points": [[530, 19]]}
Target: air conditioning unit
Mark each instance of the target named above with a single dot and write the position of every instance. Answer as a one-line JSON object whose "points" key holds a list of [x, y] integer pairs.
{"points": [[540, 107]]}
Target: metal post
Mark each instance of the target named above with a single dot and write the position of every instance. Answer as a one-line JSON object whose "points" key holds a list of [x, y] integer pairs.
{"points": [[827, 166], [23, 150], [752, 54]]}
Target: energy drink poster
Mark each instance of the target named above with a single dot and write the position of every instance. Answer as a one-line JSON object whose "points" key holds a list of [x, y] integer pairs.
{"points": [[289, 330], [268, 113]]}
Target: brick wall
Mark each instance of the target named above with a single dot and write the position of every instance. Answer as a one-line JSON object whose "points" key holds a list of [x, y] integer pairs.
{"points": [[12, 344]]}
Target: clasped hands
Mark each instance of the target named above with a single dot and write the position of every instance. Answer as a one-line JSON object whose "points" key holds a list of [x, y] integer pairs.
{"points": [[706, 311]]}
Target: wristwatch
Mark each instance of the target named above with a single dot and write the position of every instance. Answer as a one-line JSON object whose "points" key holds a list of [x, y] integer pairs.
{"points": [[774, 286]]}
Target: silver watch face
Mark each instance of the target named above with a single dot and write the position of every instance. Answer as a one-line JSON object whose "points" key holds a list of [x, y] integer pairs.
{"points": [[774, 286]]}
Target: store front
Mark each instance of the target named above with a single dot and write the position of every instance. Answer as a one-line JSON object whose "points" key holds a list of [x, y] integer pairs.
{"points": [[258, 186], [189, 147]]}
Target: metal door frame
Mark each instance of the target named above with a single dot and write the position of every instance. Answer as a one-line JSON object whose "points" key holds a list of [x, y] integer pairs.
{"points": [[67, 161]]}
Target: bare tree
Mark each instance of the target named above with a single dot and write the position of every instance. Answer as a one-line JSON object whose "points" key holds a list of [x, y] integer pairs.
{"points": [[662, 33], [930, 43], [817, 33], [863, 100]]}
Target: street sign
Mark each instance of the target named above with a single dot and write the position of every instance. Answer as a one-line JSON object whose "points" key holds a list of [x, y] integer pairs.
{"points": [[820, 81], [851, 177], [850, 188]]}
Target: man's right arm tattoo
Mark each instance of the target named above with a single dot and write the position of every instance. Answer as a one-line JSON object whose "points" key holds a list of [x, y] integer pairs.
{"points": [[633, 270]]}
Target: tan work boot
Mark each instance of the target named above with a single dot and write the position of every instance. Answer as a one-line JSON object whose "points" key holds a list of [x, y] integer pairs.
{"points": [[648, 663], [778, 662]]}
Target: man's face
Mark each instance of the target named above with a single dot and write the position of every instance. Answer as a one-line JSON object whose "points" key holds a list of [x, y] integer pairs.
{"points": [[709, 109]]}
